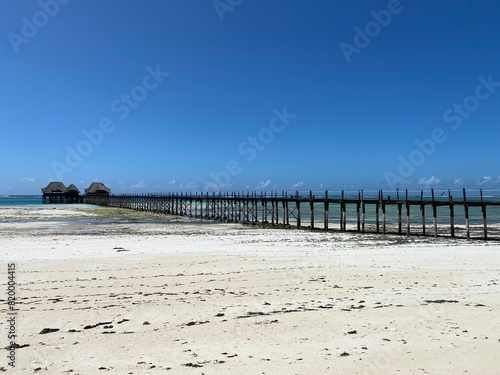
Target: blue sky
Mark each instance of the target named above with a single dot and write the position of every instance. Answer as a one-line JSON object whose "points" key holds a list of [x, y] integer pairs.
{"points": [[189, 95]]}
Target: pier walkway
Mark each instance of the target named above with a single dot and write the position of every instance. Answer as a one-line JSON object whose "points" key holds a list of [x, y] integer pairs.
{"points": [[399, 214]]}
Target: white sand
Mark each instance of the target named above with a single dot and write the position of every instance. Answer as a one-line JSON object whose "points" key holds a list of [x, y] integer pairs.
{"points": [[291, 300]]}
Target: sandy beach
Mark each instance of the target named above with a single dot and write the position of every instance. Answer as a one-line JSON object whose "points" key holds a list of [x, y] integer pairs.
{"points": [[101, 293]]}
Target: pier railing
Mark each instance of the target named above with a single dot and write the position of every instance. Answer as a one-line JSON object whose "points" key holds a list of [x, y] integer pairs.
{"points": [[400, 214]]}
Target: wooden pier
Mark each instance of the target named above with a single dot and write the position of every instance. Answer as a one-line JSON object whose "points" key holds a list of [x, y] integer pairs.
{"points": [[400, 214]]}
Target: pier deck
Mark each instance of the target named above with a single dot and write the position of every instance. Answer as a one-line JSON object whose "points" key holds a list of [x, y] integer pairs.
{"points": [[383, 214]]}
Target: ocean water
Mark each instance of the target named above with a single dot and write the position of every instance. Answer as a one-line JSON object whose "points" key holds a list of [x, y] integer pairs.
{"points": [[20, 200], [83, 224]]}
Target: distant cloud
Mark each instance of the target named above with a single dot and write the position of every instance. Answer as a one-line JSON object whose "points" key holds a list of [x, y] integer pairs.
{"points": [[188, 185], [485, 180], [28, 179], [139, 185], [212, 186], [458, 181], [428, 182], [263, 185], [297, 185], [172, 182]]}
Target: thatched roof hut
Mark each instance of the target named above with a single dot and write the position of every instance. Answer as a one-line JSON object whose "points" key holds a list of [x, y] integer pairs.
{"points": [[73, 194], [72, 189], [57, 192], [55, 187], [97, 188]]}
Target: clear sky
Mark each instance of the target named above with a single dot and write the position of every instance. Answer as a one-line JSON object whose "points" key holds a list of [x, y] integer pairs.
{"points": [[185, 95]]}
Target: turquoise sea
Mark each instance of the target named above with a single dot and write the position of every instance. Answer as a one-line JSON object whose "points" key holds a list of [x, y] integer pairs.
{"points": [[34, 202], [20, 200]]}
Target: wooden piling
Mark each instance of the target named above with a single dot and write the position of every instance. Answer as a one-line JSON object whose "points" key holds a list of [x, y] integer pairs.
{"points": [[377, 214], [297, 202], [407, 213], [434, 214], [363, 211], [272, 210], [358, 216], [286, 212], [452, 214], [384, 214], [422, 210], [264, 207], [485, 221], [326, 211], [311, 207], [343, 214], [400, 229], [466, 209]]}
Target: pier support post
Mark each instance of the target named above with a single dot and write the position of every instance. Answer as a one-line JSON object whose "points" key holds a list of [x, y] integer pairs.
{"points": [[286, 211], [264, 207], [377, 214], [384, 214], [466, 208], [485, 221], [399, 212], [452, 214], [297, 202], [434, 214], [422, 210], [342, 213], [311, 208], [325, 217], [407, 214], [361, 197], [400, 229]]}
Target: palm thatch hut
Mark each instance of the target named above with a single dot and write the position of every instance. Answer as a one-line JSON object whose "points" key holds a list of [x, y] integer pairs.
{"points": [[57, 192], [73, 194], [54, 192], [97, 188], [97, 193]]}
